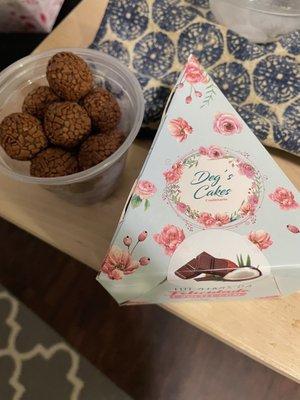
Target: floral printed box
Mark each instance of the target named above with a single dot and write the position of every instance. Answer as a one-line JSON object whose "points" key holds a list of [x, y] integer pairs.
{"points": [[211, 216], [28, 15]]}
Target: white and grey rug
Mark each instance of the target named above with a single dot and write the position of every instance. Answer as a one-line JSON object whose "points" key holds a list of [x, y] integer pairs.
{"points": [[37, 364]]}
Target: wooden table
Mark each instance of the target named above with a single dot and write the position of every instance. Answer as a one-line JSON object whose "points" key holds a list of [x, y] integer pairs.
{"points": [[266, 330]]}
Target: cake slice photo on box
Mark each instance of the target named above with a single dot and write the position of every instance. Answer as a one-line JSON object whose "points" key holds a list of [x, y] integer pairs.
{"points": [[211, 215]]}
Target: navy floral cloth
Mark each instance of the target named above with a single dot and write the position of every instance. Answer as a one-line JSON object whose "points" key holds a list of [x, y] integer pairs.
{"points": [[155, 37]]}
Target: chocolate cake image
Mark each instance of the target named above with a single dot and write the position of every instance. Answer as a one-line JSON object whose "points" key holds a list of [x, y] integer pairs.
{"points": [[212, 268]]}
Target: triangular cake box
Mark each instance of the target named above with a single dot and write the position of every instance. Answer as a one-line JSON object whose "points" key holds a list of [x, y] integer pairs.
{"points": [[211, 216]]}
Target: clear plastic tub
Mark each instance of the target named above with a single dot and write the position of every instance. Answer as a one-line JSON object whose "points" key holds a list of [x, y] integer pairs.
{"points": [[260, 21], [99, 181]]}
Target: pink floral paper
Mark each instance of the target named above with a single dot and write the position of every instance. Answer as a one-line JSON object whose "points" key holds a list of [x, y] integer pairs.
{"points": [[28, 15]]}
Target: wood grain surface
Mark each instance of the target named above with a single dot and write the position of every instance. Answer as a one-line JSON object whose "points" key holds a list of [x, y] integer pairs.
{"points": [[267, 330], [159, 358]]}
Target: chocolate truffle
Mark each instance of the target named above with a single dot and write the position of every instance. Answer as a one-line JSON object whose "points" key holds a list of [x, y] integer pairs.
{"points": [[22, 136], [66, 124], [103, 109], [53, 162], [36, 101], [98, 147], [69, 76]]}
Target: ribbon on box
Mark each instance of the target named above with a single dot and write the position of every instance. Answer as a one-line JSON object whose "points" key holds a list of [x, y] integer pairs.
{"points": [[155, 37]]}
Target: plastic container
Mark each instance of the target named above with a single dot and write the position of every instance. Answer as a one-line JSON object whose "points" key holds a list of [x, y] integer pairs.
{"points": [[99, 181], [258, 20]]}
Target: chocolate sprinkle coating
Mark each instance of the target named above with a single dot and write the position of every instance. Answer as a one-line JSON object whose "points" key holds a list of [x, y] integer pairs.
{"points": [[36, 101], [22, 136], [66, 124], [53, 162], [103, 109], [99, 147], [69, 76]]}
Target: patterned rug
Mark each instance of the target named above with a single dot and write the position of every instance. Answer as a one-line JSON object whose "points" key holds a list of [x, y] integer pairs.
{"points": [[37, 364]]}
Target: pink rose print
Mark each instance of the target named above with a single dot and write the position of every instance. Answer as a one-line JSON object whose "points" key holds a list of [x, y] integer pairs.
{"points": [[118, 263], [206, 219], [209, 220], [215, 152], [284, 198], [221, 219], [180, 129], [145, 189], [253, 199], [181, 207], [248, 209], [169, 238], [142, 192], [293, 228], [193, 73], [174, 174], [227, 124], [43, 17], [203, 151], [246, 169], [261, 239]]}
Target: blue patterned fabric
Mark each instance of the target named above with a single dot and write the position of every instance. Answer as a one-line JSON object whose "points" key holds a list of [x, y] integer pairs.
{"points": [[155, 37]]}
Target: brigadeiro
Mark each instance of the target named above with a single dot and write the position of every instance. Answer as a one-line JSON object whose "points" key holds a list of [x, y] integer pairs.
{"points": [[98, 147], [103, 109], [22, 136], [66, 124], [69, 76], [62, 117], [36, 101], [53, 162]]}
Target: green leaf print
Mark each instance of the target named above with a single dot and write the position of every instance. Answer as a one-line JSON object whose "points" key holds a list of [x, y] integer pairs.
{"points": [[209, 95], [147, 204], [136, 201]]}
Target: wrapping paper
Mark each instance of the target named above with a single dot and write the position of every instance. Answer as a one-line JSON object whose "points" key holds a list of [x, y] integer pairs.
{"points": [[28, 15]]}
